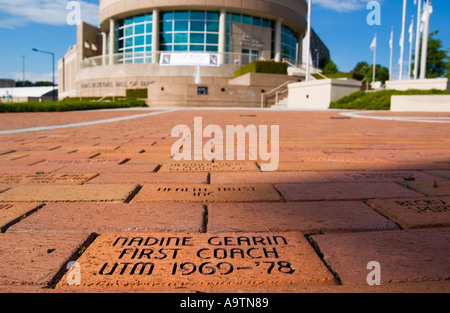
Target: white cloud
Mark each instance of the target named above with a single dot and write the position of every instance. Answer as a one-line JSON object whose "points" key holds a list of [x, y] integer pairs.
{"points": [[343, 5], [51, 12]]}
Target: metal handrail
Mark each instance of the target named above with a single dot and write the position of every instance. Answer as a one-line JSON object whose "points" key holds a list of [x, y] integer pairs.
{"points": [[272, 91], [228, 58]]}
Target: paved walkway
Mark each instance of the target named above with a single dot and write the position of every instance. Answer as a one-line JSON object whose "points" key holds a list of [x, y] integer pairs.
{"points": [[356, 205]]}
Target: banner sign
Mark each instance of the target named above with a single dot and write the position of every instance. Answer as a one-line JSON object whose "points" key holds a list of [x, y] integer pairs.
{"points": [[189, 59]]}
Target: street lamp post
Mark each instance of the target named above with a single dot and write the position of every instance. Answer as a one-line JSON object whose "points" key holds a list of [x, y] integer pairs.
{"points": [[53, 68]]}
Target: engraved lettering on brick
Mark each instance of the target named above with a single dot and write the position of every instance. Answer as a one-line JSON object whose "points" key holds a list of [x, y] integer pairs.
{"points": [[425, 205]]}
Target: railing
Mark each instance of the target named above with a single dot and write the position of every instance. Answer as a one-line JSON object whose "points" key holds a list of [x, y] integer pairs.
{"points": [[277, 93], [227, 58]]}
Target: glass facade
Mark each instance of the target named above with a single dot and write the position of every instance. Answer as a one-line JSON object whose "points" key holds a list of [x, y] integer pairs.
{"points": [[246, 19], [190, 31], [134, 38], [288, 43]]}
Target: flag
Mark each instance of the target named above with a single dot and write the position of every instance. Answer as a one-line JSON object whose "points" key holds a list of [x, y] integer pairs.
{"points": [[373, 45], [425, 15], [391, 42]]}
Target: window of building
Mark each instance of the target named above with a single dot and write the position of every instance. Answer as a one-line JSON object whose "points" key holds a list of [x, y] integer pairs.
{"points": [[196, 31], [134, 38], [288, 44]]}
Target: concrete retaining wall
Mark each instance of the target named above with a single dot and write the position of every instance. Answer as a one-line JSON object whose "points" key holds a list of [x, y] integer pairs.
{"points": [[435, 103]]}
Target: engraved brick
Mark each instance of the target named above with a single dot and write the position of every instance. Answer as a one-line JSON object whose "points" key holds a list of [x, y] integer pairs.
{"points": [[201, 261], [45, 179], [207, 193], [63, 193], [377, 176], [150, 178], [209, 167], [415, 212]]}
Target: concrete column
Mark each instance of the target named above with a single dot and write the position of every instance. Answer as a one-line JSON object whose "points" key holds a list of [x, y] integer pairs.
{"points": [[155, 37], [112, 40], [104, 48], [278, 40], [222, 35]]}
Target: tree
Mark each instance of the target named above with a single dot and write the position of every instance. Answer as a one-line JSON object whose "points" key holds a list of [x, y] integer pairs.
{"points": [[27, 83], [329, 67], [381, 72], [361, 68], [437, 57]]}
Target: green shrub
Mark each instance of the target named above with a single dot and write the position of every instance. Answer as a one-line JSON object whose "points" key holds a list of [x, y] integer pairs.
{"points": [[379, 100], [67, 105], [137, 93], [267, 67], [339, 75]]}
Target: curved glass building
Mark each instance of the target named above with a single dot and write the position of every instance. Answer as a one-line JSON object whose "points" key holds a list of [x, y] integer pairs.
{"points": [[172, 47]]}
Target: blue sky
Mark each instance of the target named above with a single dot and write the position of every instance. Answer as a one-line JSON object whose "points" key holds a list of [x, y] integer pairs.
{"points": [[41, 24]]}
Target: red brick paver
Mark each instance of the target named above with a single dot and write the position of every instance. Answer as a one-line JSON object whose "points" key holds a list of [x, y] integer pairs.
{"points": [[347, 192]]}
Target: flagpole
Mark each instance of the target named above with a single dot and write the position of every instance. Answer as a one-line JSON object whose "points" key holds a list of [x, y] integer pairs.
{"points": [[402, 41], [411, 36], [308, 42], [374, 60], [423, 64], [391, 45], [417, 52]]}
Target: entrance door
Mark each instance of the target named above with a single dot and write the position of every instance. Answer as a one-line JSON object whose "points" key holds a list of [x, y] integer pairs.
{"points": [[250, 55]]}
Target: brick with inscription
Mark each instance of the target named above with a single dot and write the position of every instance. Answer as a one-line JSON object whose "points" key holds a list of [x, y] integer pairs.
{"points": [[377, 176], [45, 178], [343, 191], [150, 178], [403, 255], [207, 193], [82, 168], [308, 217], [315, 166], [86, 162], [210, 167], [415, 212], [11, 212], [113, 218], [201, 261], [33, 169], [67, 193], [430, 188], [35, 259]]}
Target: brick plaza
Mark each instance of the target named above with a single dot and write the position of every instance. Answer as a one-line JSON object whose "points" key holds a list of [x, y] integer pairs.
{"points": [[109, 196]]}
